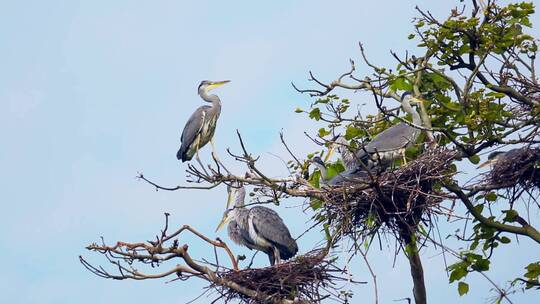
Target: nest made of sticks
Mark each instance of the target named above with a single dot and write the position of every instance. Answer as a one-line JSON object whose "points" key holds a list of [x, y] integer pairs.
{"points": [[302, 278], [519, 168], [396, 198]]}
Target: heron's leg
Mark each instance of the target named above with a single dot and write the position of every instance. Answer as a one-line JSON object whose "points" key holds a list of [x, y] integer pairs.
{"points": [[214, 155], [404, 157], [197, 154], [271, 258], [277, 256]]}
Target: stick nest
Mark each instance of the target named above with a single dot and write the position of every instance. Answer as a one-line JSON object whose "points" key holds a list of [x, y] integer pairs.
{"points": [[521, 168], [302, 278], [397, 198]]}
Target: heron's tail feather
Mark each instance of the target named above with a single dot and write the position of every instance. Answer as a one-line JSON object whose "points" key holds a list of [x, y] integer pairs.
{"points": [[183, 154], [287, 251]]}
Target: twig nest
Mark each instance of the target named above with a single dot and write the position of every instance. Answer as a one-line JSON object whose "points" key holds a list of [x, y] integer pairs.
{"points": [[522, 167], [394, 197], [302, 278]]}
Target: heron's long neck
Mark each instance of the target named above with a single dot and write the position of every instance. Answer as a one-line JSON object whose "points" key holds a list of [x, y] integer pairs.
{"points": [[322, 169], [240, 197], [415, 116], [214, 99]]}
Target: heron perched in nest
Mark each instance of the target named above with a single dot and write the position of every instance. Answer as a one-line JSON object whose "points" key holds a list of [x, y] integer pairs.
{"points": [[258, 228], [340, 178], [499, 157], [388, 145], [200, 128]]}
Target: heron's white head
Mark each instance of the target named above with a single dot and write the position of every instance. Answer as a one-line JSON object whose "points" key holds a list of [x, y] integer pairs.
{"points": [[318, 162], [407, 97], [235, 193], [493, 157], [206, 85]]}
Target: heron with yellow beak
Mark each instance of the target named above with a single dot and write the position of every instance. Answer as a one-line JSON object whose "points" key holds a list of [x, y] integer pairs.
{"points": [[200, 128], [258, 228]]}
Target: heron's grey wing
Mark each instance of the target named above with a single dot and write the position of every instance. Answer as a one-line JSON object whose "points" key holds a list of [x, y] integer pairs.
{"points": [[269, 225], [349, 176], [395, 137], [191, 130]]}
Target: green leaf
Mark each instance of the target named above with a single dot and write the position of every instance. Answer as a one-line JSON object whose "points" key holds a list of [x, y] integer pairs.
{"points": [[491, 197], [481, 265], [298, 110], [333, 169], [352, 132], [315, 114], [479, 208], [505, 240], [323, 132], [463, 288], [475, 159], [327, 233], [314, 179], [511, 215], [457, 274], [401, 83], [315, 203]]}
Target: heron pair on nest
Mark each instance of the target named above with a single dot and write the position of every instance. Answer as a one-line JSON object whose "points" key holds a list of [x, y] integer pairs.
{"points": [[377, 154]]}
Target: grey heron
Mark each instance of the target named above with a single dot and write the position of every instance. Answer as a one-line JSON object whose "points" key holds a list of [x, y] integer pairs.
{"points": [[258, 228], [386, 146], [200, 128], [342, 177], [497, 157]]}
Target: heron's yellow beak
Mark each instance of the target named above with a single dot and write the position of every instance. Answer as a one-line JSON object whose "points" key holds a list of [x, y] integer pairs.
{"points": [[416, 100], [486, 163], [226, 218], [330, 152], [217, 84]]}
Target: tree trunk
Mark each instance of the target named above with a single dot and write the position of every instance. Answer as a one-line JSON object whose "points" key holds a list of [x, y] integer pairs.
{"points": [[417, 273]]}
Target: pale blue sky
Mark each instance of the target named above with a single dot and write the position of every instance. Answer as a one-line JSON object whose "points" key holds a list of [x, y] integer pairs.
{"points": [[92, 92]]}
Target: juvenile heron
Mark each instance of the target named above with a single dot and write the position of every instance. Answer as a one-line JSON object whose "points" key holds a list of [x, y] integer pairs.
{"points": [[200, 128], [258, 228], [499, 157], [340, 178], [392, 142]]}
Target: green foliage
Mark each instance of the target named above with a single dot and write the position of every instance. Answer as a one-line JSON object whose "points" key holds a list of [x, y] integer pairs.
{"points": [[463, 288], [472, 116], [315, 113], [532, 275]]}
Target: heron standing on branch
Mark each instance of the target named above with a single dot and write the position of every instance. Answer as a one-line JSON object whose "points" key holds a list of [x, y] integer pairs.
{"points": [[200, 128], [258, 228], [392, 142]]}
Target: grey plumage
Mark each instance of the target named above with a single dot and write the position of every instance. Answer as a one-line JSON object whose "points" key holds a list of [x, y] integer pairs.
{"points": [[499, 157], [258, 228], [341, 178], [265, 223], [349, 158], [389, 144], [201, 126]]}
